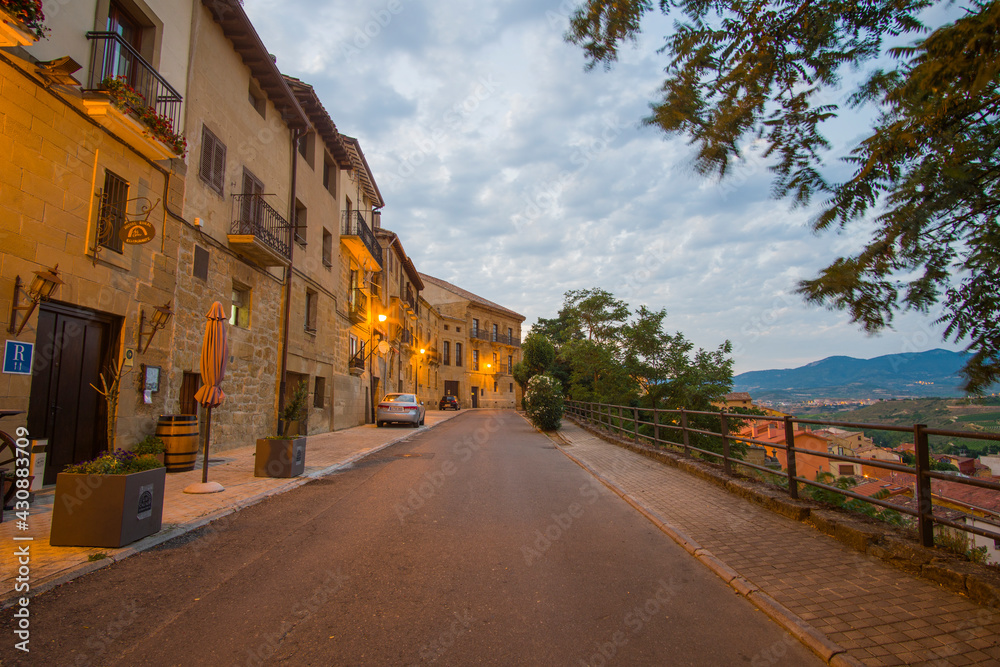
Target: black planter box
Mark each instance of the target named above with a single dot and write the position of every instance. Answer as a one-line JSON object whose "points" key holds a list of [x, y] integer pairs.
{"points": [[106, 510], [280, 458]]}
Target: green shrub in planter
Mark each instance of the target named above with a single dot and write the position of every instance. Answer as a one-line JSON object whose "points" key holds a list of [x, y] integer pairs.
{"points": [[149, 445], [544, 402]]}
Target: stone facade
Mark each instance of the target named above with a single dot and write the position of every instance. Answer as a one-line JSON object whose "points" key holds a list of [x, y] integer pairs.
{"points": [[480, 343]]}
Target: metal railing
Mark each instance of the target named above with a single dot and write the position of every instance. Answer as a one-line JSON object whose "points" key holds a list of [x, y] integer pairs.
{"points": [[630, 420], [357, 362], [115, 58], [254, 216], [355, 225], [357, 305]]}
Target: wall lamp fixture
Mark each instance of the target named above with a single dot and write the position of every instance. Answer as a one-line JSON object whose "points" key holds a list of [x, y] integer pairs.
{"points": [[42, 287], [161, 315]]}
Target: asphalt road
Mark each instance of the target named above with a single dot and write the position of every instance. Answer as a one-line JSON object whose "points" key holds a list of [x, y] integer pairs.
{"points": [[477, 542]]}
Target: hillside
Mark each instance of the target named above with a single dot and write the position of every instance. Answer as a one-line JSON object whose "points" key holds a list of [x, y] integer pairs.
{"points": [[920, 374]]}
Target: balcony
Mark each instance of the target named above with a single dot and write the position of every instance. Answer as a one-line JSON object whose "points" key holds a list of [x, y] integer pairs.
{"points": [[356, 365], [358, 237], [258, 232], [136, 103], [357, 305]]}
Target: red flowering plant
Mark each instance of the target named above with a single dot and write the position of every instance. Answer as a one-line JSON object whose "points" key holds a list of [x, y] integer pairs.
{"points": [[28, 13], [128, 99]]}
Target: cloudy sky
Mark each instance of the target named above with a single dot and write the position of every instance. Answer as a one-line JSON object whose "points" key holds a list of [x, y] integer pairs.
{"points": [[511, 171]]}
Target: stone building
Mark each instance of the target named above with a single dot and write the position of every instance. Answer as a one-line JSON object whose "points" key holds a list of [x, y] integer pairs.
{"points": [[401, 289], [480, 343], [90, 194], [242, 121]]}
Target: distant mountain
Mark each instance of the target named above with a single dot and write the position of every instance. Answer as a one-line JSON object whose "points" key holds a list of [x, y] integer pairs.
{"points": [[933, 373]]}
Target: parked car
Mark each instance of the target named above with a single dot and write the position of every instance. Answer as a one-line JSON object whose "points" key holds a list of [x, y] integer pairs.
{"points": [[448, 403], [401, 408]]}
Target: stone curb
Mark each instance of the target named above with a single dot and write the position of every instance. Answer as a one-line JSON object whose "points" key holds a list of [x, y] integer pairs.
{"points": [[176, 530], [976, 582], [798, 627]]}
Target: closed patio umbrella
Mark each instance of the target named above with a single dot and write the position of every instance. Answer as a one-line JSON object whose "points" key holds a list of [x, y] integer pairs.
{"points": [[214, 355]]}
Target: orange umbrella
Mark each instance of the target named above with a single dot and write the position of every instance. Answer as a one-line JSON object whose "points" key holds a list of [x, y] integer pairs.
{"points": [[214, 355]]}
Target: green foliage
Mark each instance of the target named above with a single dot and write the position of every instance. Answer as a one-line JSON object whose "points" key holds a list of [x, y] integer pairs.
{"points": [[295, 405], [544, 402], [149, 445], [118, 462], [927, 173], [960, 544], [852, 504]]}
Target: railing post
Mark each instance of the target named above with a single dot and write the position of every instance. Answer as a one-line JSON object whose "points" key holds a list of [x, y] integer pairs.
{"points": [[656, 427], [925, 504], [635, 424], [684, 431], [793, 486], [724, 431]]}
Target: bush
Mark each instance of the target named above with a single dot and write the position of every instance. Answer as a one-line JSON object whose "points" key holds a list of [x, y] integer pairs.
{"points": [[118, 462], [149, 445], [544, 402]]}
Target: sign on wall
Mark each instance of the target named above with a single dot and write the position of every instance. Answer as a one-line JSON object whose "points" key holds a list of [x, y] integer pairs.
{"points": [[17, 357]]}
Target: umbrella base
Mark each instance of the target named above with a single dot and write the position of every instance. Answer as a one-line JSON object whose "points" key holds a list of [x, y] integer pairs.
{"points": [[204, 487]]}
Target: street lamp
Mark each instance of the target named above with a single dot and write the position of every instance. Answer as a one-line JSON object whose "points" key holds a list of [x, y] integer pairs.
{"points": [[42, 287], [161, 315]]}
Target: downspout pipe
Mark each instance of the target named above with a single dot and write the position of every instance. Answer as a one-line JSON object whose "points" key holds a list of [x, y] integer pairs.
{"points": [[283, 371]]}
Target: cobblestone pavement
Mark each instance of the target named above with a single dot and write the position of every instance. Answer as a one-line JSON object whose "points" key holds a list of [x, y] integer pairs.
{"points": [[881, 615], [233, 468]]}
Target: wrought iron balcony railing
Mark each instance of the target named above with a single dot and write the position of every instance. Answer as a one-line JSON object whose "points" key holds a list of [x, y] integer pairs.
{"points": [[357, 305], [115, 58], [252, 216], [354, 225]]}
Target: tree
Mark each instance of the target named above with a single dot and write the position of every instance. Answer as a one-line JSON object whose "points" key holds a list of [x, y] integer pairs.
{"points": [[598, 313], [928, 174], [544, 402], [538, 356]]}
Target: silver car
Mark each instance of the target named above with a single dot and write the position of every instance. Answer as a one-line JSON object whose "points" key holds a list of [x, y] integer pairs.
{"points": [[403, 408]]}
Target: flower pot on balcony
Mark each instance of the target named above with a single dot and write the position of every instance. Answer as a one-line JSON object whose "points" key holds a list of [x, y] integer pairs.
{"points": [[14, 32], [106, 510], [280, 457]]}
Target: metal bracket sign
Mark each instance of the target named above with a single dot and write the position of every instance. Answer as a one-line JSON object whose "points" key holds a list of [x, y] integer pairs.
{"points": [[17, 357]]}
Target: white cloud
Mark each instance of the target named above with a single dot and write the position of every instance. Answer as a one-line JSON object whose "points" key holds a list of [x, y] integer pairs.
{"points": [[514, 173]]}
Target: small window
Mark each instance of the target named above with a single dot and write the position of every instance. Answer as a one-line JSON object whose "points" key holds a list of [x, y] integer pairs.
{"points": [[475, 327], [306, 144], [301, 223], [511, 387], [495, 361], [475, 360], [112, 214], [257, 99], [495, 333], [239, 316], [311, 308], [319, 392], [213, 160], [510, 363], [458, 329], [494, 387], [330, 176], [458, 354], [327, 248], [446, 356], [446, 327], [510, 335], [199, 268]]}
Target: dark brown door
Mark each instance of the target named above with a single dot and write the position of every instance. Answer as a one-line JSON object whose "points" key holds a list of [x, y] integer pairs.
{"points": [[189, 387], [475, 397], [73, 346]]}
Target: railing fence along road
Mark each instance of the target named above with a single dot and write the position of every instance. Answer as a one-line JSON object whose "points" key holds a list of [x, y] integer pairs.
{"points": [[628, 420]]}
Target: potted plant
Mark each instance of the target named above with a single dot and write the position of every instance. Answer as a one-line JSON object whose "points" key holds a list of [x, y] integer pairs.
{"points": [[152, 446], [284, 455], [128, 100], [110, 501], [22, 22]]}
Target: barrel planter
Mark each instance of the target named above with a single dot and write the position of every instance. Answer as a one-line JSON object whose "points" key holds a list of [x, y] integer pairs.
{"points": [[106, 510], [180, 438], [284, 457]]}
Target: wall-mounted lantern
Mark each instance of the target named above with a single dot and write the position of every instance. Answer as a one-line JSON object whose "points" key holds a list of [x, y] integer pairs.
{"points": [[161, 315], [42, 287]]}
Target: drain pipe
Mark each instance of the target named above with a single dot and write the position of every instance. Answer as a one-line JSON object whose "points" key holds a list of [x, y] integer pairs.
{"points": [[283, 371]]}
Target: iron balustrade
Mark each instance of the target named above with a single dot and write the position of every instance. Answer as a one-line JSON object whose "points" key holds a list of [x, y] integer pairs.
{"points": [[628, 420], [357, 302], [355, 225], [254, 216], [115, 58]]}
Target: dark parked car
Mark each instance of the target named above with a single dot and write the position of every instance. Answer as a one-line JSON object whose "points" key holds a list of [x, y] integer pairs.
{"points": [[448, 402]]}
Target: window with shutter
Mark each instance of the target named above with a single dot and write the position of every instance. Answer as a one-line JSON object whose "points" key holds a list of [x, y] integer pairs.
{"points": [[213, 160], [251, 205]]}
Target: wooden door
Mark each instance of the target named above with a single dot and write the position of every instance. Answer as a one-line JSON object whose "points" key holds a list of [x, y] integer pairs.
{"points": [[73, 346]]}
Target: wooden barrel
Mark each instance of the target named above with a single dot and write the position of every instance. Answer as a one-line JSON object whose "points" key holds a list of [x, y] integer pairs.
{"points": [[180, 437]]}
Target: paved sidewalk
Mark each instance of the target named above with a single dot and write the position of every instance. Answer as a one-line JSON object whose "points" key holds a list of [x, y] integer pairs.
{"points": [[880, 615], [182, 512]]}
